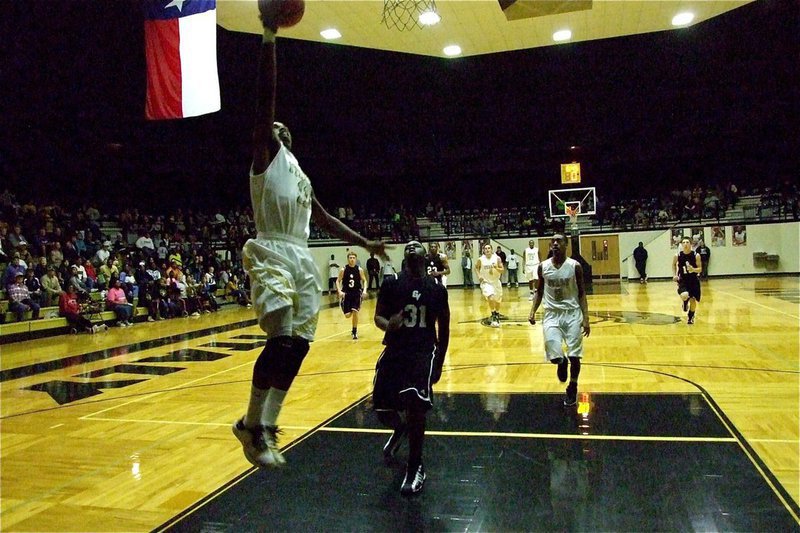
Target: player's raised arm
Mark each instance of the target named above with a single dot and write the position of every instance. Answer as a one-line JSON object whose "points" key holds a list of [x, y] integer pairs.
{"points": [[264, 144]]}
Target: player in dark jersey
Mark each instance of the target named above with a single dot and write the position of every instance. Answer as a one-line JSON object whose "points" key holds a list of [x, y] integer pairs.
{"points": [[352, 285], [436, 264], [410, 309], [685, 266]]}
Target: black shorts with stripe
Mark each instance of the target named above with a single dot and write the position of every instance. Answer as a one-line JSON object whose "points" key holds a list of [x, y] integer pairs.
{"points": [[351, 301], [690, 285], [403, 379]]}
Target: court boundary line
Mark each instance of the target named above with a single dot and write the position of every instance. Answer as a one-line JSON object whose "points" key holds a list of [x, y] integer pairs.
{"points": [[772, 481], [756, 303]]}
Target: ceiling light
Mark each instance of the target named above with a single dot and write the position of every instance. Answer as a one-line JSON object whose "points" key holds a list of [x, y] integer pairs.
{"points": [[562, 35], [429, 18], [452, 50], [682, 19], [330, 33]]}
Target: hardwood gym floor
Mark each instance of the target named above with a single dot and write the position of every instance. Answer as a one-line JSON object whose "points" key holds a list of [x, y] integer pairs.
{"points": [[679, 427]]}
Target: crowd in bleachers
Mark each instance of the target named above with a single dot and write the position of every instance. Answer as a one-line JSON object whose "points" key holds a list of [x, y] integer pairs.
{"points": [[83, 260], [175, 265], [694, 204]]}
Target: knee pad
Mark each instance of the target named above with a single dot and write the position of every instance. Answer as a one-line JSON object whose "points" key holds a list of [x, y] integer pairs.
{"points": [[273, 357], [684, 296], [296, 355]]}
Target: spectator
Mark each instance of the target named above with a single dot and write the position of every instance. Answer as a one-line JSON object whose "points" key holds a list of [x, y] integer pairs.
{"points": [[145, 245], [34, 286], [13, 269], [51, 287], [705, 254], [69, 308], [20, 299], [40, 269], [56, 255], [232, 290], [512, 262], [466, 269], [103, 254], [117, 302], [373, 270], [333, 273], [640, 259], [75, 281]]}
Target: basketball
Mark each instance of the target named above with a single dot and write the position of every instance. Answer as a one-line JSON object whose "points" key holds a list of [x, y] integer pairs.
{"points": [[289, 12]]}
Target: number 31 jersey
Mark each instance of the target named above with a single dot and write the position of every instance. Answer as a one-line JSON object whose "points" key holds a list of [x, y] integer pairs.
{"points": [[421, 300]]}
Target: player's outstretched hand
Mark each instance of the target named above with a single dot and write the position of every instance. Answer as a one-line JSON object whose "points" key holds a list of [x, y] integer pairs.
{"points": [[379, 248]]}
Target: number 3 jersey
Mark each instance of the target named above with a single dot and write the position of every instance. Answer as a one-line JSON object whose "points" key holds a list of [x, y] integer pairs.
{"points": [[560, 287], [421, 300]]}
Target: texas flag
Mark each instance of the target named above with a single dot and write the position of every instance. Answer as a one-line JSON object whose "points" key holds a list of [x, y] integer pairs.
{"points": [[180, 39]]}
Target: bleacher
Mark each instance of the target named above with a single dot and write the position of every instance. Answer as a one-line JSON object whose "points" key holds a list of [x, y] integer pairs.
{"points": [[50, 324]]}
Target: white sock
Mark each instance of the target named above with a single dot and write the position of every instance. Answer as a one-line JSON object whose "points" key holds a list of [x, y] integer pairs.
{"points": [[255, 409], [272, 409]]}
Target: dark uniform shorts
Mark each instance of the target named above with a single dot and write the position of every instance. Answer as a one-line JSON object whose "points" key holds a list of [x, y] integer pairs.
{"points": [[690, 285], [403, 379], [351, 301]]}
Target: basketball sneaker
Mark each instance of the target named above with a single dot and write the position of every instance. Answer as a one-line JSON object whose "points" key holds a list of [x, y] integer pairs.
{"points": [[572, 395], [413, 481], [690, 320], [260, 444], [561, 370], [394, 442]]}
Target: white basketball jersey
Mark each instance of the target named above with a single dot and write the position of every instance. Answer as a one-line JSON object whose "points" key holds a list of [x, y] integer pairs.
{"points": [[531, 256], [281, 198], [487, 272], [560, 287]]}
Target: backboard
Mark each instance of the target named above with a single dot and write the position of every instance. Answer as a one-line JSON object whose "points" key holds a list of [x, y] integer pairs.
{"points": [[583, 199]]}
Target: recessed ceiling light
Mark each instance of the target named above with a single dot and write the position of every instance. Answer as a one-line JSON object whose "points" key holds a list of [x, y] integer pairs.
{"points": [[330, 33], [682, 19], [562, 35], [429, 18], [452, 50]]}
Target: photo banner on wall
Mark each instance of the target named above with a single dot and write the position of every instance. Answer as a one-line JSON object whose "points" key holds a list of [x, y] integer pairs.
{"points": [[717, 236], [740, 235]]}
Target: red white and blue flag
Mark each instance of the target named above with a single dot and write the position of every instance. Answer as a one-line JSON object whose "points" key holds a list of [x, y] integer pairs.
{"points": [[180, 39]]}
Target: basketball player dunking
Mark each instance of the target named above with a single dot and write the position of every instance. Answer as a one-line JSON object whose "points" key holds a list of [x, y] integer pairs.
{"points": [[285, 279]]}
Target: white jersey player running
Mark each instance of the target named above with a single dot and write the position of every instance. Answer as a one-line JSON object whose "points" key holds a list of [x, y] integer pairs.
{"points": [[531, 258], [489, 268], [566, 312]]}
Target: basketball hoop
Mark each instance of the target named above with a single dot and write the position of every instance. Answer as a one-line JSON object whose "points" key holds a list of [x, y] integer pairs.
{"points": [[409, 14]]}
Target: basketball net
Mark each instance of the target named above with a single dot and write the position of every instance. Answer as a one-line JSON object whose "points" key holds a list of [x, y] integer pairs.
{"points": [[404, 14], [572, 213]]}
